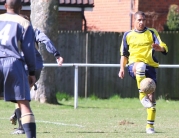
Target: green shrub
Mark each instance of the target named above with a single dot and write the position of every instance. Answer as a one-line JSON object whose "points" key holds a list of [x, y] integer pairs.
{"points": [[172, 18], [93, 97], [61, 96], [115, 97]]}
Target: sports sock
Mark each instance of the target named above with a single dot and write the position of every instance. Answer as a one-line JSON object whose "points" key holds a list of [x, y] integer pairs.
{"points": [[18, 115], [139, 77], [29, 125], [150, 117], [142, 95]]}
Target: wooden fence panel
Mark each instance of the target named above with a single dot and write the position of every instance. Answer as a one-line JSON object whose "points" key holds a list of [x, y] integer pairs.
{"points": [[72, 48], [168, 78]]}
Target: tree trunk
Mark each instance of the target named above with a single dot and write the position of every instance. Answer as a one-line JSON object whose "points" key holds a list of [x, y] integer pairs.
{"points": [[44, 15]]}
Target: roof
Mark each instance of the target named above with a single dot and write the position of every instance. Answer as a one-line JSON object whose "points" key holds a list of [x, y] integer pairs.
{"points": [[65, 3]]}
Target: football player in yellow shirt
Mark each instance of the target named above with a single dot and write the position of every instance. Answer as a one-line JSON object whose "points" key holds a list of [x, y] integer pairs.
{"points": [[137, 52]]}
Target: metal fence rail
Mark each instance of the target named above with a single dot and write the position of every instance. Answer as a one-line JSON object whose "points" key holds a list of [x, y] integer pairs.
{"points": [[76, 65]]}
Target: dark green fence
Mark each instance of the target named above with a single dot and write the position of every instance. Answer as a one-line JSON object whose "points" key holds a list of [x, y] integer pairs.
{"points": [[103, 48]]}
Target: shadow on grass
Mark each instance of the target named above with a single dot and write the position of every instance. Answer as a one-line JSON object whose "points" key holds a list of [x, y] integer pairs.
{"points": [[141, 132]]}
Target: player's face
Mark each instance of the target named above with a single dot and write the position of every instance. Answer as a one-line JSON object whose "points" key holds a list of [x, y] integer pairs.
{"points": [[140, 22]]}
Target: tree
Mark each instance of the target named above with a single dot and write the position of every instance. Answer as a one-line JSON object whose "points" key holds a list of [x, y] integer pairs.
{"points": [[44, 15], [173, 18]]}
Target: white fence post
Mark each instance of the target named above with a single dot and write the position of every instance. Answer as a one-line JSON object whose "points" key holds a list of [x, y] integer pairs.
{"points": [[76, 87]]}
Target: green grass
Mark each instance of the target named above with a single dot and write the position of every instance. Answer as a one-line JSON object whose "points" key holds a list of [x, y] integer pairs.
{"points": [[61, 96], [112, 118]]}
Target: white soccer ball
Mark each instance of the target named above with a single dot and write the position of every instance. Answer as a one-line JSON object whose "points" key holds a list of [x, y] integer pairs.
{"points": [[147, 85]]}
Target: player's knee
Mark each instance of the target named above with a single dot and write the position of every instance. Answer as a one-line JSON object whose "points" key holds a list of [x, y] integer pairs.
{"points": [[140, 67]]}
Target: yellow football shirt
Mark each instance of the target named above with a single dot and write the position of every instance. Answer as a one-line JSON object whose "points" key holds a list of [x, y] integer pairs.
{"points": [[136, 46]]}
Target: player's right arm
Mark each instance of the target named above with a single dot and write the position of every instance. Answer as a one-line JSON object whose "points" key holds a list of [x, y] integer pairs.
{"points": [[123, 63], [124, 56], [32, 80]]}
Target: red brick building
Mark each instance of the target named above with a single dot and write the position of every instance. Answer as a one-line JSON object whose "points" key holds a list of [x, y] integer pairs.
{"points": [[71, 12], [106, 15], [117, 15]]}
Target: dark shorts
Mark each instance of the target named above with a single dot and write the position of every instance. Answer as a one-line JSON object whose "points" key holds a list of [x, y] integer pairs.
{"points": [[14, 80], [150, 72]]}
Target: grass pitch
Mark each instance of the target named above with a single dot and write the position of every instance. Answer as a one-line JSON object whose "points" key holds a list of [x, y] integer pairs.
{"points": [[113, 118]]}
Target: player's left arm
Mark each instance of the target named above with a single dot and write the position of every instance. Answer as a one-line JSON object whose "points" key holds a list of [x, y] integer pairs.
{"points": [[42, 38], [158, 45]]}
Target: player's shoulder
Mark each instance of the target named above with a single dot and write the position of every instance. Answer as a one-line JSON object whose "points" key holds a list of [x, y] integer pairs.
{"points": [[15, 19], [22, 21], [127, 32], [152, 29], [2, 16]]}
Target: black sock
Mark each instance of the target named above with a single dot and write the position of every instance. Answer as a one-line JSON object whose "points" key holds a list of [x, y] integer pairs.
{"points": [[28, 123], [18, 115]]}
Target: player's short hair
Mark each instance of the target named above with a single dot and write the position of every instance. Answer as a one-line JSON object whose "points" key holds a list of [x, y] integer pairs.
{"points": [[139, 13], [13, 4]]}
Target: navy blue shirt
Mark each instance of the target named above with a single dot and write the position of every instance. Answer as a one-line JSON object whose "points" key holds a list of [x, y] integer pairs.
{"points": [[17, 37]]}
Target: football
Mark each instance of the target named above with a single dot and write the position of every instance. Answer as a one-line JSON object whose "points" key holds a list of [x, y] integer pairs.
{"points": [[147, 85]]}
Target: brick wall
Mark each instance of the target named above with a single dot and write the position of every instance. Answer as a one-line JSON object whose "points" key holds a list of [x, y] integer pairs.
{"points": [[113, 15], [70, 21], [157, 11], [67, 20], [22, 12], [109, 15]]}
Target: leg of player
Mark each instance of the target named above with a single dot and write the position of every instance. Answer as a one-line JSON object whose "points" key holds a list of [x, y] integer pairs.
{"points": [[16, 89], [13, 117], [140, 67], [27, 119], [17, 113], [151, 112], [17, 117], [145, 99]]}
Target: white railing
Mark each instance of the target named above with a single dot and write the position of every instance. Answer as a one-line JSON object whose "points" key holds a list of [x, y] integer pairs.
{"points": [[76, 65]]}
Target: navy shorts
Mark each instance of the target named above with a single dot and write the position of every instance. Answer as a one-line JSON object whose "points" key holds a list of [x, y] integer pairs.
{"points": [[150, 72], [14, 80]]}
